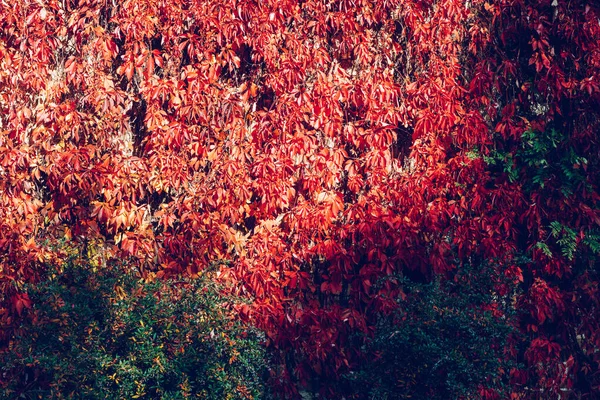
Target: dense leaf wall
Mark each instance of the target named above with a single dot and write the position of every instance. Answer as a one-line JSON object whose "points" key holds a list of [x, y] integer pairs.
{"points": [[318, 146]]}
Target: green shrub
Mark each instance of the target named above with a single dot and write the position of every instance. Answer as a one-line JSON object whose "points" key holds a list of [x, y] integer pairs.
{"points": [[106, 335], [441, 343]]}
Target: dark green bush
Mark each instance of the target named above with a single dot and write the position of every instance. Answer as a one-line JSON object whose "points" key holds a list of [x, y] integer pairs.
{"points": [[106, 335], [441, 343]]}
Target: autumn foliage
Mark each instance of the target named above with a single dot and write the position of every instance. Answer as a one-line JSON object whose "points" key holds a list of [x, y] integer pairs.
{"points": [[322, 152]]}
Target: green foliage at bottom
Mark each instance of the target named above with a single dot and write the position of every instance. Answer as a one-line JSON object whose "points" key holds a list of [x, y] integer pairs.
{"points": [[442, 342], [106, 335]]}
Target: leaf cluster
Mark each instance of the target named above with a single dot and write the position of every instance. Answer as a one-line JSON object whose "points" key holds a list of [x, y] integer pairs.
{"points": [[107, 335], [444, 341]]}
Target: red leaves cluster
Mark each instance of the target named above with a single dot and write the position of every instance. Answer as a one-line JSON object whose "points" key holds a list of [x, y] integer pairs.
{"points": [[275, 135]]}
